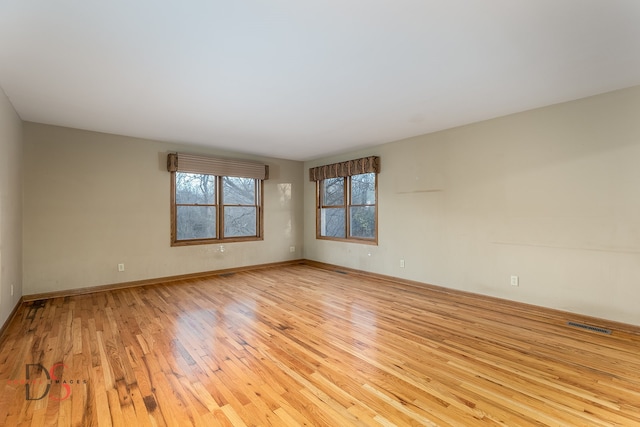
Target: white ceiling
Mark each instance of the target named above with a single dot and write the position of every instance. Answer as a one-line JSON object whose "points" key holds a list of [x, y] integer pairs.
{"points": [[302, 79]]}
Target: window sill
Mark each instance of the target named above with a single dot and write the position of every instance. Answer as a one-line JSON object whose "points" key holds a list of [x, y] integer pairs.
{"points": [[373, 242], [195, 242]]}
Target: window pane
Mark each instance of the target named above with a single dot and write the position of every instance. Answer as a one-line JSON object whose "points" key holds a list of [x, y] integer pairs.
{"points": [[196, 222], [332, 222], [363, 221], [239, 191], [333, 192], [239, 221], [193, 188], [363, 189]]}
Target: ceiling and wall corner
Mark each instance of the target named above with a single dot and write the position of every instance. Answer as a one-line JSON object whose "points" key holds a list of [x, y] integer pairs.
{"points": [[302, 80], [324, 81], [549, 195], [95, 200]]}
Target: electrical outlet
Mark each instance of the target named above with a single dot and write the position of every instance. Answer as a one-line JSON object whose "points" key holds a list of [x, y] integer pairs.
{"points": [[120, 267], [401, 263], [292, 249], [515, 281], [11, 290]]}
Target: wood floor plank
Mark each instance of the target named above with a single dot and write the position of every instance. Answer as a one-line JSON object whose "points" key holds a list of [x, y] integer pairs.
{"points": [[299, 345]]}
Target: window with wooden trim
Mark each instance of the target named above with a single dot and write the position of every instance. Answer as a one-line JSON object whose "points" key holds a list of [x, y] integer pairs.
{"points": [[346, 200], [208, 206]]}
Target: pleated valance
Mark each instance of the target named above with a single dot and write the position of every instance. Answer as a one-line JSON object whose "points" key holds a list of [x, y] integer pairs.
{"points": [[369, 164], [180, 162]]}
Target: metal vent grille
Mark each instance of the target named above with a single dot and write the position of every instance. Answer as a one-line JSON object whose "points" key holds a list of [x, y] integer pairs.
{"points": [[226, 274], [340, 271], [590, 328]]}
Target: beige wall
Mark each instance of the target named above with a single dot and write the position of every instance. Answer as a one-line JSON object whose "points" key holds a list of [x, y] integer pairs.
{"points": [[10, 207], [551, 195], [94, 200]]}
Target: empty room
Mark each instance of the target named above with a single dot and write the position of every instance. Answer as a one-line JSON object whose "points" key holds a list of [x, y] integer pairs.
{"points": [[354, 213]]}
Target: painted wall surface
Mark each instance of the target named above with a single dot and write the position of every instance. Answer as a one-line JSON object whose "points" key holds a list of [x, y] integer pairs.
{"points": [[10, 207], [95, 200], [551, 195]]}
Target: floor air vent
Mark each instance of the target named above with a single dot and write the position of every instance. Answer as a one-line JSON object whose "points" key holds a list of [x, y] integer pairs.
{"points": [[226, 274], [340, 271], [590, 328]]}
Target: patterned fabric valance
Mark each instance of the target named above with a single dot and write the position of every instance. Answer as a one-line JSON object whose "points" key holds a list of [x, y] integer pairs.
{"points": [[369, 164]]}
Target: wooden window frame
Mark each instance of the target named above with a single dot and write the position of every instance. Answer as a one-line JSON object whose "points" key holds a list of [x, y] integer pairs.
{"points": [[346, 206], [259, 199]]}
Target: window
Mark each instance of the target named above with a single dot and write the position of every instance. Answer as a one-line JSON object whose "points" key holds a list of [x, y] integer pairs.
{"points": [[195, 206], [346, 195], [240, 206], [211, 207]]}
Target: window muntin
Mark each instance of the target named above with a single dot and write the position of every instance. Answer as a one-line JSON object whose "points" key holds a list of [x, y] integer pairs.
{"points": [[347, 208], [210, 209]]}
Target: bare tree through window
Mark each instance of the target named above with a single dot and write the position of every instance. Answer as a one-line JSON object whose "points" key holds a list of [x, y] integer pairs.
{"points": [[196, 206], [362, 209], [203, 203], [347, 207], [240, 207]]}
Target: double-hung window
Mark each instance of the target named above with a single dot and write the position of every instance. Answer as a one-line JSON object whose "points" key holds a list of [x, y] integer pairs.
{"points": [[346, 200], [215, 200]]}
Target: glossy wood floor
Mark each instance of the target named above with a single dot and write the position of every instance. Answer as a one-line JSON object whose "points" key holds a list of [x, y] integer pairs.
{"points": [[299, 345]]}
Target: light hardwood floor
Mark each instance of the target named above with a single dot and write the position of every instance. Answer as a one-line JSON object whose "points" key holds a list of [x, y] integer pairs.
{"points": [[299, 345]]}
